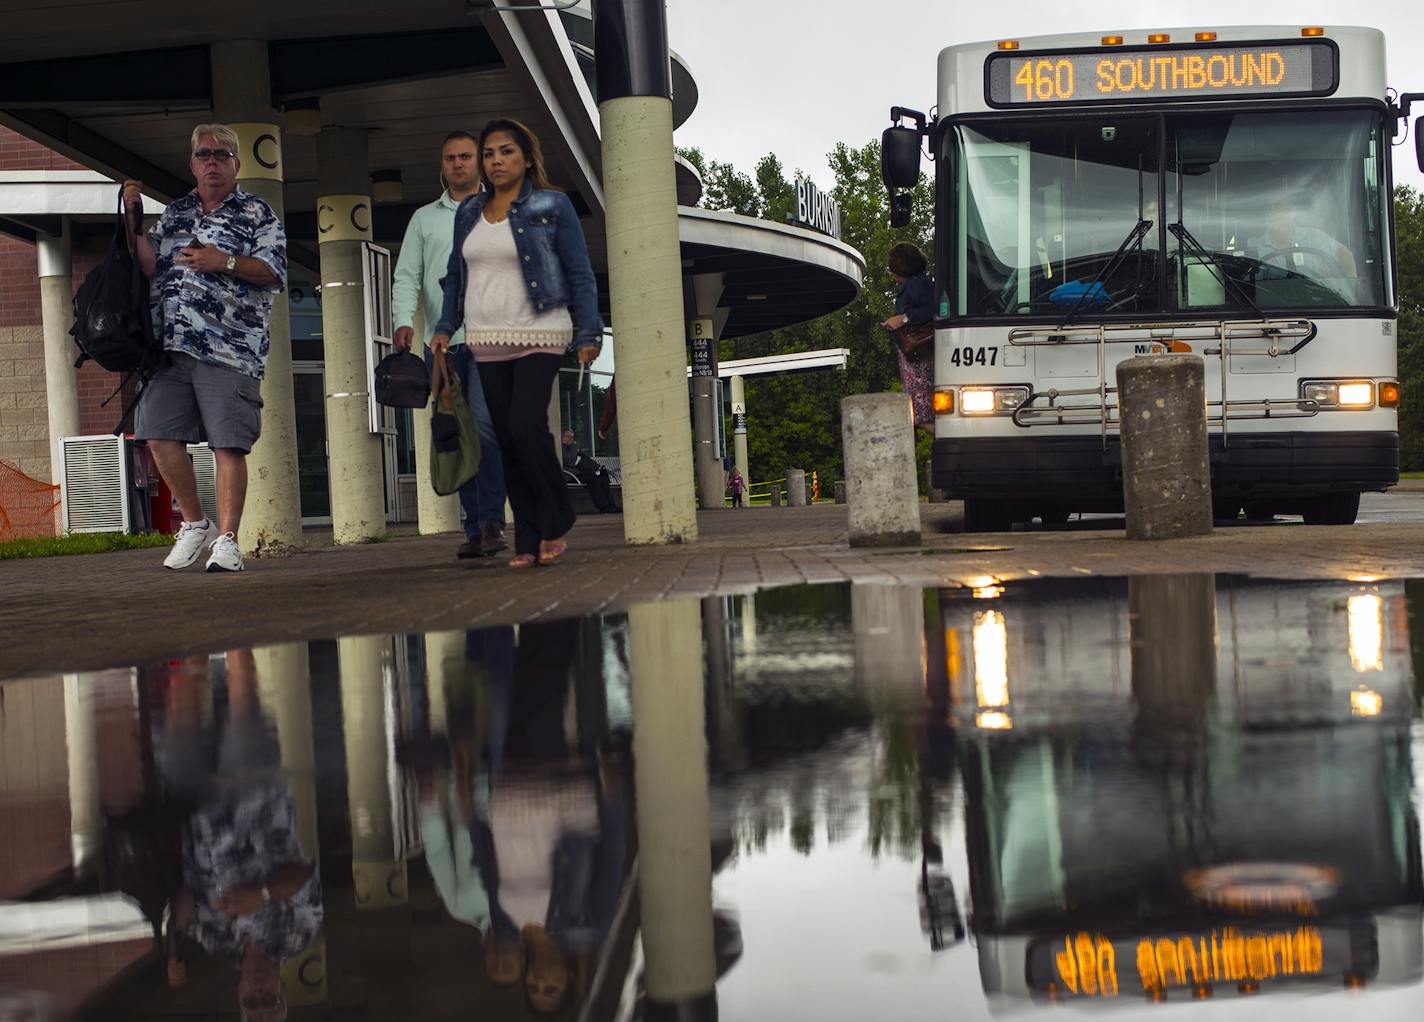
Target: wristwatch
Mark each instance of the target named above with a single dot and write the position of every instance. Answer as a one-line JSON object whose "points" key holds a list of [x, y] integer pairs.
{"points": [[230, 267]]}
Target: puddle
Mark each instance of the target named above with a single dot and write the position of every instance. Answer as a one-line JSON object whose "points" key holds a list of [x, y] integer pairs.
{"points": [[819, 802]]}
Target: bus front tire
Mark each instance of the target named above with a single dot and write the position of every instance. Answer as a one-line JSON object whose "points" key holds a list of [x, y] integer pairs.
{"points": [[987, 516], [1332, 509]]}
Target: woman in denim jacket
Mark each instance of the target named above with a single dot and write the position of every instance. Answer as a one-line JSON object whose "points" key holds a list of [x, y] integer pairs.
{"points": [[520, 281]]}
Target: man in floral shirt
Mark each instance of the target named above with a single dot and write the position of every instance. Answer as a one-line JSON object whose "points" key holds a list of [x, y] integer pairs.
{"points": [[215, 258]]}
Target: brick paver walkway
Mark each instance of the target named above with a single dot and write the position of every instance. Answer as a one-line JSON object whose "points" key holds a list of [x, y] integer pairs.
{"points": [[97, 611]]}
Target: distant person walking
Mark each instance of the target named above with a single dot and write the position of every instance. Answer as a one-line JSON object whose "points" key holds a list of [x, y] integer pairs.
{"points": [[520, 281], [914, 308], [738, 486], [424, 258], [215, 259]]}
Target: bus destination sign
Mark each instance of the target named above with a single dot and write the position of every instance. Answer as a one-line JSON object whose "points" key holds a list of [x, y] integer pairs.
{"points": [[1124, 75]]}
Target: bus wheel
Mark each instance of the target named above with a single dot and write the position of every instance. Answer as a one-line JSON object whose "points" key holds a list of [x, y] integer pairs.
{"points": [[1334, 509], [987, 516], [1054, 515]]}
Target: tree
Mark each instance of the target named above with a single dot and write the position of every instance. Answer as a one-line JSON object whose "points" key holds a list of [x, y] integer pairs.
{"points": [[796, 420], [1409, 242]]}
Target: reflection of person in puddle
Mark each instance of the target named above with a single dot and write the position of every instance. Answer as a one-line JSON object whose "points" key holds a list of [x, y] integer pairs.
{"points": [[528, 846], [249, 895]]}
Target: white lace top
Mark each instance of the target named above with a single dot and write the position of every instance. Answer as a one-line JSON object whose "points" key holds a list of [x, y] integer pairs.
{"points": [[500, 322]]}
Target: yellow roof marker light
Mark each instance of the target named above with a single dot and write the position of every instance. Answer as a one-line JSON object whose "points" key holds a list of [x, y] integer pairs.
{"points": [[1206, 37], [1159, 37], [1112, 40], [1008, 44], [1312, 31]]}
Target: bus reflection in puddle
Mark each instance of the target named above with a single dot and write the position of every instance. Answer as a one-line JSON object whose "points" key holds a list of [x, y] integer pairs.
{"points": [[1179, 787]]}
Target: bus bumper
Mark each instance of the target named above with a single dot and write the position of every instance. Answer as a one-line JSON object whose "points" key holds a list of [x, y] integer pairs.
{"points": [[1077, 471]]}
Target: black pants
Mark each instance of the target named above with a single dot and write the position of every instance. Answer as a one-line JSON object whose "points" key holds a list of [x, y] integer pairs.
{"points": [[517, 393]]}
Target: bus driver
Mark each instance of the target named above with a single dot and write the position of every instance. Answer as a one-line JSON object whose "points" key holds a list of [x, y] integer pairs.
{"points": [[1303, 251]]}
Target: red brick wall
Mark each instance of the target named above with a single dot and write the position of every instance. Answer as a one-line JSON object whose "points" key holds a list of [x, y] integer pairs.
{"points": [[19, 283], [20, 153]]}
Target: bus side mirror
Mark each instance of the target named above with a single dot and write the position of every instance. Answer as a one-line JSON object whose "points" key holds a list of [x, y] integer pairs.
{"points": [[900, 208], [900, 157], [1419, 144]]}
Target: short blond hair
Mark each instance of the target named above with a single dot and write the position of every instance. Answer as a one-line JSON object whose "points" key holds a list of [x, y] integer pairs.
{"points": [[219, 133]]}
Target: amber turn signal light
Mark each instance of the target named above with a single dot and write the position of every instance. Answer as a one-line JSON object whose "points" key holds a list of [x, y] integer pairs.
{"points": [[944, 402], [1389, 394]]}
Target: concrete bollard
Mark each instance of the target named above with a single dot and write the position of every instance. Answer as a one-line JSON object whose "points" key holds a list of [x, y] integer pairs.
{"points": [[775, 494], [1166, 470], [840, 491], [877, 437], [796, 487]]}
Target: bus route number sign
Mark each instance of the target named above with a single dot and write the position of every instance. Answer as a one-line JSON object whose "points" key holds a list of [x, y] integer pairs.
{"points": [[1124, 75]]}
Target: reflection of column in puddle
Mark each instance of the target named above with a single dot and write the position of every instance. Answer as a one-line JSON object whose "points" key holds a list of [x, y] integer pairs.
{"points": [[1173, 624], [888, 624], [727, 748], [81, 736], [284, 685], [444, 667], [674, 832], [378, 873]]}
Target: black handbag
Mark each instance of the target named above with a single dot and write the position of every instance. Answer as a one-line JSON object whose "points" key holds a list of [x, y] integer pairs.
{"points": [[402, 381], [913, 338]]}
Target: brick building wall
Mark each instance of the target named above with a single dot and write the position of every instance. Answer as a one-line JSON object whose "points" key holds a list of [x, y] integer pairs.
{"points": [[24, 422]]}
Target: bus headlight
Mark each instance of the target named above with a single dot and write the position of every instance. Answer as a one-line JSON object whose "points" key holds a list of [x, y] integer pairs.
{"points": [[1339, 394], [991, 400]]}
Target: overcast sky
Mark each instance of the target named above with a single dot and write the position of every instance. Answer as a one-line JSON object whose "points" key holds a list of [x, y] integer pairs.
{"points": [[795, 77]]}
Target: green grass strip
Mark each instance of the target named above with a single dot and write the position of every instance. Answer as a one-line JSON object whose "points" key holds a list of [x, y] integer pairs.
{"points": [[80, 543]]}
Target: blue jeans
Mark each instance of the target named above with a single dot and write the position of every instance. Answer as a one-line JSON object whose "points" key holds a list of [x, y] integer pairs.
{"points": [[482, 498]]}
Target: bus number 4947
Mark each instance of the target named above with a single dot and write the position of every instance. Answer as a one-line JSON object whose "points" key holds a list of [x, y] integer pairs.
{"points": [[974, 356]]}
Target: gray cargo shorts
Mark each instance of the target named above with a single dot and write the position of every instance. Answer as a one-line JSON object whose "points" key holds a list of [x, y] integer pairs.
{"points": [[188, 400]]}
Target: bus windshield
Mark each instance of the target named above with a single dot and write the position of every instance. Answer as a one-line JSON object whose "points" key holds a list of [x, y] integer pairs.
{"points": [[1280, 211]]}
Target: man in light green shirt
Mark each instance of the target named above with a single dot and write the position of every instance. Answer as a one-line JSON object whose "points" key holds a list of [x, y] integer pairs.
{"points": [[424, 256]]}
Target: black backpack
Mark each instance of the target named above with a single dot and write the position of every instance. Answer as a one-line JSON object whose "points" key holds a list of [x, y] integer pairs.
{"points": [[112, 322]]}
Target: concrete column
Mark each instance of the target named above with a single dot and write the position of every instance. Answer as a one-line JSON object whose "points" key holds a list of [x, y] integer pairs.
{"points": [[1166, 469], [877, 437], [840, 491], [379, 877], [242, 98], [444, 668], [284, 685], [674, 829], [704, 330], [739, 427], [796, 487], [434, 512], [358, 510], [645, 286], [57, 313], [81, 736]]}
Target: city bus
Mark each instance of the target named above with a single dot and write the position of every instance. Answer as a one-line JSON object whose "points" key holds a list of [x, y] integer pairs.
{"points": [[1219, 191]]}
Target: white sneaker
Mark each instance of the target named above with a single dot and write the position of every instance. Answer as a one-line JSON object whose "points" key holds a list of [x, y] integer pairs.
{"points": [[225, 555], [189, 545]]}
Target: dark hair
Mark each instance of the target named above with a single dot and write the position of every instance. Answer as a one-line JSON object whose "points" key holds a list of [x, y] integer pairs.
{"points": [[528, 143], [458, 133], [906, 260]]}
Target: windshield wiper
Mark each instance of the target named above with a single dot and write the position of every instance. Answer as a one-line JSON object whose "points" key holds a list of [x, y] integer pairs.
{"points": [[1228, 282], [1134, 237]]}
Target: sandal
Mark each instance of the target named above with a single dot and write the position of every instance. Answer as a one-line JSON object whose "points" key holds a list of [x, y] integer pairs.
{"points": [[551, 551], [523, 561]]}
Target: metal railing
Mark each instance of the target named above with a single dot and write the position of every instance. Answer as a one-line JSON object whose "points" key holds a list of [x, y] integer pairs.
{"points": [[1045, 408]]}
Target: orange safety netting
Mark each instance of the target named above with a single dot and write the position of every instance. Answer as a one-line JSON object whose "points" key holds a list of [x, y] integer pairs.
{"points": [[27, 505]]}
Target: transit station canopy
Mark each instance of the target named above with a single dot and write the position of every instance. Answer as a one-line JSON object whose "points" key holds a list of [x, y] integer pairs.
{"points": [[118, 87]]}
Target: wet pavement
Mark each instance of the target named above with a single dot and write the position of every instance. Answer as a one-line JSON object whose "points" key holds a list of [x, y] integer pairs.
{"points": [[1128, 795]]}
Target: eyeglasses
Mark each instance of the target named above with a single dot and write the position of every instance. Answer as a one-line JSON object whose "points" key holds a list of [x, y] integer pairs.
{"points": [[221, 155]]}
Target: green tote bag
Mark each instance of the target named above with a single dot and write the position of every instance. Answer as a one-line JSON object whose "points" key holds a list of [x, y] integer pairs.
{"points": [[455, 443]]}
